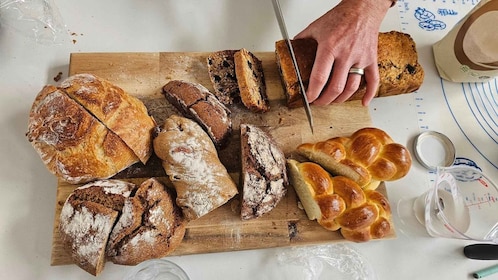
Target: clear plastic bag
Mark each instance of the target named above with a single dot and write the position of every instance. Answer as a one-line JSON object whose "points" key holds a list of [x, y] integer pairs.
{"points": [[39, 20], [343, 259]]}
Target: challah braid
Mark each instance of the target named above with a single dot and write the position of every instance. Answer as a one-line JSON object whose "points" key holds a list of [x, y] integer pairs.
{"points": [[368, 156], [339, 203]]}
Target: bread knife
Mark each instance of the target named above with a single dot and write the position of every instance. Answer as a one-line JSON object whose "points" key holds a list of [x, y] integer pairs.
{"points": [[283, 30]]}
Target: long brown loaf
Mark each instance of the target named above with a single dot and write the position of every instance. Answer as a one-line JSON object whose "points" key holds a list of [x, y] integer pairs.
{"points": [[196, 102], [368, 156], [399, 69], [338, 203]]}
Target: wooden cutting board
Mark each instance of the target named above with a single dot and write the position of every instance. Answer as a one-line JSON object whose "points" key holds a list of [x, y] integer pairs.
{"points": [[143, 75]]}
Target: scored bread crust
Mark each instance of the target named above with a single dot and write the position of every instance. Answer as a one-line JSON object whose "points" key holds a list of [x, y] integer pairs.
{"points": [[191, 162], [251, 81], [150, 226], [368, 156], [71, 142], [120, 112], [338, 203], [397, 58]]}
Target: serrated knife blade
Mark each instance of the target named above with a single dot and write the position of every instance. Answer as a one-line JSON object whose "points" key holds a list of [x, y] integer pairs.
{"points": [[285, 35]]}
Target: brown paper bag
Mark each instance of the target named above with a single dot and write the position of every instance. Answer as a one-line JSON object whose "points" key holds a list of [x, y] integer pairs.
{"points": [[469, 52]]}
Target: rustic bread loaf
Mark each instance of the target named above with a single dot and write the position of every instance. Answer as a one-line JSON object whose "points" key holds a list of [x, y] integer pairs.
{"points": [[264, 173], [368, 156], [251, 81], [196, 102], [191, 161], [120, 112], [339, 203], [399, 69], [221, 70], [73, 144], [87, 218], [150, 226], [120, 221]]}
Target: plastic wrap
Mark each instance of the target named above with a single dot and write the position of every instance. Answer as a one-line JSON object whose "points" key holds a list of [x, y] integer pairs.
{"points": [[39, 20], [344, 260]]}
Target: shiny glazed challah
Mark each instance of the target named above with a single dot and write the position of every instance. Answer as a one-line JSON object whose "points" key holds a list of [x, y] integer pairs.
{"points": [[368, 157], [340, 203]]}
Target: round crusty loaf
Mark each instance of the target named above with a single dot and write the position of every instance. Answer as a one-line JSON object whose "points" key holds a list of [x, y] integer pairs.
{"points": [[150, 226], [89, 129], [123, 114], [368, 156], [339, 203], [73, 144]]}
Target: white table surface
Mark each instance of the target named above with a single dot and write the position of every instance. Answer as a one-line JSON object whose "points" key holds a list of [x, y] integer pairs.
{"points": [[28, 190]]}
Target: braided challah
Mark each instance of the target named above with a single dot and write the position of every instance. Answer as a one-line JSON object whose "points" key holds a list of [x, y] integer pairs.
{"points": [[340, 203], [368, 156]]}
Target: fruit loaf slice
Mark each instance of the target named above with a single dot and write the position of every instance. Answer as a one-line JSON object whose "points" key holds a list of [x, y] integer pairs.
{"points": [[251, 81]]}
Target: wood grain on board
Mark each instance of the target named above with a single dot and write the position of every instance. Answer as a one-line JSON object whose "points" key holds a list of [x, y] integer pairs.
{"points": [[143, 75]]}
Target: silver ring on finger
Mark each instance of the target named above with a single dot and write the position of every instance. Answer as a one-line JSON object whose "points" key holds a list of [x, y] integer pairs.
{"points": [[358, 71]]}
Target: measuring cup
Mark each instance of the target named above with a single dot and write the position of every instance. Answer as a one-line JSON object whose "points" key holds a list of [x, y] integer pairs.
{"points": [[462, 204]]}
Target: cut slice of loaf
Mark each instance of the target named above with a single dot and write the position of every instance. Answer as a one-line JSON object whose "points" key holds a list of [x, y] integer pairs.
{"points": [[264, 174], [251, 81], [221, 70]]}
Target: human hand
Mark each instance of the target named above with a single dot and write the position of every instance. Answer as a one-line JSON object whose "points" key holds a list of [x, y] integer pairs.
{"points": [[347, 37]]}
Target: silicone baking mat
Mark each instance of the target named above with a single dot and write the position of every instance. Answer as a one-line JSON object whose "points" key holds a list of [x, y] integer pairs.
{"points": [[466, 112]]}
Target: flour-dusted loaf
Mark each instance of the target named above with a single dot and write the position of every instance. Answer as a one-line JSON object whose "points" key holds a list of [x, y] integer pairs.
{"points": [[399, 69], [221, 70], [120, 112], [87, 219], [196, 102], [191, 162], [339, 203], [368, 156], [120, 221], [264, 173], [151, 225], [72, 143], [251, 81]]}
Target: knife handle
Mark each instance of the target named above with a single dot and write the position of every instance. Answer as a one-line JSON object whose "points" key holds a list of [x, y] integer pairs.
{"points": [[481, 251]]}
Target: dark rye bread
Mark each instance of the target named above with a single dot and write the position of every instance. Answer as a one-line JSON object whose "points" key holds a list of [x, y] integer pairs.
{"points": [[150, 226], [196, 102], [120, 221], [399, 69], [87, 219], [251, 81], [264, 174], [221, 70]]}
